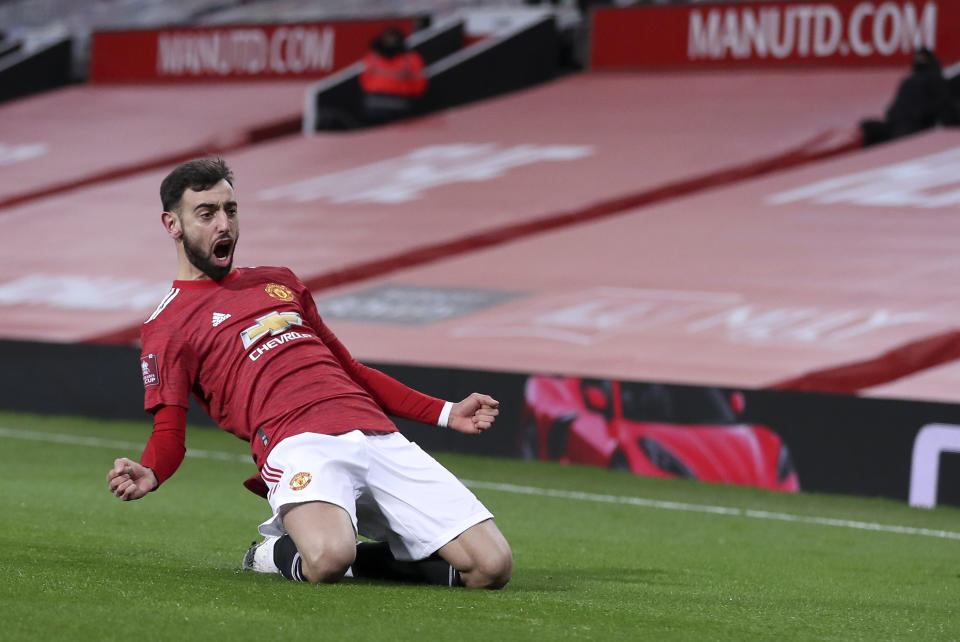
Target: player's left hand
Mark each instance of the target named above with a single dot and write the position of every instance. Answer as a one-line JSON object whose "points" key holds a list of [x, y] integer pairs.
{"points": [[474, 414]]}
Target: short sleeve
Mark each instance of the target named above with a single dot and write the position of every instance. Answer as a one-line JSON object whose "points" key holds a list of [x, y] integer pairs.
{"points": [[169, 367]]}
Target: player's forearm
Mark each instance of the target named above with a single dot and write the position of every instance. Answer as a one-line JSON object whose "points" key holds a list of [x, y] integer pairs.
{"points": [[166, 448], [396, 398]]}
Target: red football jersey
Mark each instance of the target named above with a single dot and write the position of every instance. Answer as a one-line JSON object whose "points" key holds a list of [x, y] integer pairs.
{"points": [[255, 354]]}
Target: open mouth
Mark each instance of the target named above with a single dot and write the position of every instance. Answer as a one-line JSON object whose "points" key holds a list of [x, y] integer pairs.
{"points": [[222, 249]]}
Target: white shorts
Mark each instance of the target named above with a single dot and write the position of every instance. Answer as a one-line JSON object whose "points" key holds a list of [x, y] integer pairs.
{"points": [[393, 490]]}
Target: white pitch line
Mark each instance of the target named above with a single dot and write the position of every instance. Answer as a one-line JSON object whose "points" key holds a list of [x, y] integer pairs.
{"points": [[719, 510], [96, 442]]}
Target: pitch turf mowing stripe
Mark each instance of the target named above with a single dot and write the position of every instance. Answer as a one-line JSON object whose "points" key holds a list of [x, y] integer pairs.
{"points": [[96, 442], [719, 510]]}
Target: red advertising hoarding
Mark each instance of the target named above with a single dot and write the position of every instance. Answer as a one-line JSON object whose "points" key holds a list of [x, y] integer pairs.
{"points": [[834, 33], [248, 52]]}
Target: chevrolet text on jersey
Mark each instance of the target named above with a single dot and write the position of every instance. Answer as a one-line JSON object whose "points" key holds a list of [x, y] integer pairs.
{"points": [[257, 352]]}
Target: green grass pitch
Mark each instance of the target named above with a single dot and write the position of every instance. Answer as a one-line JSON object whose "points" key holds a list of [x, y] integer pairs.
{"points": [[598, 556]]}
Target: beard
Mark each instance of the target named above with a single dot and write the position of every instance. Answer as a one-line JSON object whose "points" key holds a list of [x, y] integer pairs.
{"points": [[201, 260]]}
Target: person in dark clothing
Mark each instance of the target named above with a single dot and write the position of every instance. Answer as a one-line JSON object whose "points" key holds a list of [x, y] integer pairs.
{"points": [[393, 79], [922, 102]]}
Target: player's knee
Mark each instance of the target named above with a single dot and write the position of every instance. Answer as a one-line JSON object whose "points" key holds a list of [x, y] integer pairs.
{"points": [[492, 570], [327, 563]]}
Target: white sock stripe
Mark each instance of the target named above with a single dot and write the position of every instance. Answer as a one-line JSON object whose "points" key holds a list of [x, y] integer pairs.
{"points": [[295, 569]]}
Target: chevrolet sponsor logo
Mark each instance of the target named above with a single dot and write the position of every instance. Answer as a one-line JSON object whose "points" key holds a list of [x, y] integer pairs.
{"points": [[274, 323], [267, 346]]}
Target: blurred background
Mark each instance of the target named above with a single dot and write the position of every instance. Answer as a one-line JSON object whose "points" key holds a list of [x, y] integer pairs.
{"points": [[682, 239]]}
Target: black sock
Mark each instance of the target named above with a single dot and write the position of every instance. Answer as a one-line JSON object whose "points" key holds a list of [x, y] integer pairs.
{"points": [[287, 559], [376, 562]]}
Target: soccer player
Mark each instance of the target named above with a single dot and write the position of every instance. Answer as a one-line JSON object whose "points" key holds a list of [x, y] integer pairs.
{"points": [[250, 346]]}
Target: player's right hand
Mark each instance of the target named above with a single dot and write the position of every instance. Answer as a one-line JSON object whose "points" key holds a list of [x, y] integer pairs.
{"points": [[130, 480]]}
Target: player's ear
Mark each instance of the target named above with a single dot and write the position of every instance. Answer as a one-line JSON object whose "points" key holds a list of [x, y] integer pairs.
{"points": [[171, 223]]}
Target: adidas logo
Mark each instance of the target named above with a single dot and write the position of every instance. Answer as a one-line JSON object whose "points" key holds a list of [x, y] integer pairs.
{"points": [[219, 317]]}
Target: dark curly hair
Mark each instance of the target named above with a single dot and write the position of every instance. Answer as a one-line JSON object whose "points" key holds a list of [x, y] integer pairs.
{"points": [[198, 175]]}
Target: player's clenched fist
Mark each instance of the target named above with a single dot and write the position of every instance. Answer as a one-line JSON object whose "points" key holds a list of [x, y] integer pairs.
{"points": [[474, 414], [129, 480]]}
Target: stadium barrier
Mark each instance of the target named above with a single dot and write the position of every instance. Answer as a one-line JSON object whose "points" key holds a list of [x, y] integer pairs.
{"points": [[235, 53], [778, 33], [24, 72], [521, 56], [335, 101], [906, 450]]}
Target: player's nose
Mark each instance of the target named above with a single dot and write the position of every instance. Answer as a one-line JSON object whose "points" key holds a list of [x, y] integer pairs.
{"points": [[222, 222]]}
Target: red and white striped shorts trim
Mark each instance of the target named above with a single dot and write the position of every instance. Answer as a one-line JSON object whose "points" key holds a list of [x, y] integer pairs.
{"points": [[272, 476]]}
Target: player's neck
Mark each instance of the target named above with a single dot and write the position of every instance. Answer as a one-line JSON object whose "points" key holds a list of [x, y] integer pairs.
{"points": [[187, 271], [190, 273]]}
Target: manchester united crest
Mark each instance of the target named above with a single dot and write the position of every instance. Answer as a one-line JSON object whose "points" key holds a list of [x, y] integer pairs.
{"points": [[300, 481], [278, 291]]}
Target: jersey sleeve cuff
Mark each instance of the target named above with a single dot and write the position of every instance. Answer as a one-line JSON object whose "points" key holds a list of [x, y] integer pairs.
{"points": [[445, 414]]}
